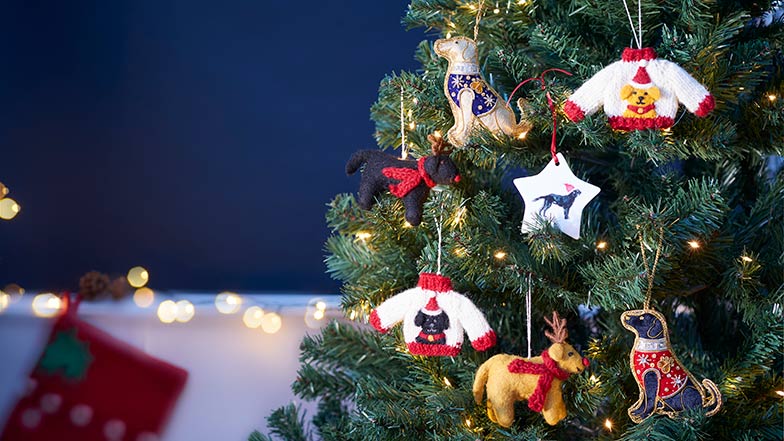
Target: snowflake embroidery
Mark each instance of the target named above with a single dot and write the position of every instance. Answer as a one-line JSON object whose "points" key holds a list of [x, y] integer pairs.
{"points": [[679, 380], [457, 82], [488, 99], [643, 359]]}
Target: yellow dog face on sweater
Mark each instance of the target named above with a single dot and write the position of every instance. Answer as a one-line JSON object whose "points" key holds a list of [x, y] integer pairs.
{"points": [[640, 101]]}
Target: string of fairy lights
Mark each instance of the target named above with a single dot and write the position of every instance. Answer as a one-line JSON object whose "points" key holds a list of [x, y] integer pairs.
{"points": [[169, 311]]}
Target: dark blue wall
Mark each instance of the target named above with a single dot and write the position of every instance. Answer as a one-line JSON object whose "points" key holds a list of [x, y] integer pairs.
{"points": [[200, 139]]}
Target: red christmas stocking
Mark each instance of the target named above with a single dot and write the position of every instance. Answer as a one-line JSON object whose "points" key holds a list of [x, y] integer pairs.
{"points": [[89, 386]]}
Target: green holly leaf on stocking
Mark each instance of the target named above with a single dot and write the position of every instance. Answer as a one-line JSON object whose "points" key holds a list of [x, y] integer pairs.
{"points": [[67, 355]]}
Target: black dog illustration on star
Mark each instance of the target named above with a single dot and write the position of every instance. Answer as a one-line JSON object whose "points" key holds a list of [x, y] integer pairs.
{"points": [[563, 201], [433, 327], [666, 386], [409, 180]]}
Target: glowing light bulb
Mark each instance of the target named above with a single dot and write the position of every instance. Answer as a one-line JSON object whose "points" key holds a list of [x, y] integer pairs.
{"points": [[460, 252], [363, 235], [407, 225], [522, 135], [185, 311], [594, 379], [252, 317], [496, 11], [741, 88], [459, 215], [521, 2], [746, 259], [412, 125], [608, 424], [271, 323], [321, 305], [499, 255], [167, 311], [9, 208], [472, 7], [352, 315], [780, 393], [143, 297], [319, 314], [447, 382], [468, 422], [228, 302], [138, 277], [448, 35], [693, 244], [5, 300], [46, 305], [3, 190], [772, 97], [601, 245]]}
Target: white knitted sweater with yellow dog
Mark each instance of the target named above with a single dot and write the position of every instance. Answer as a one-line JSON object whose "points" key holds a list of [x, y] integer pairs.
{"points": [[640, 92]]}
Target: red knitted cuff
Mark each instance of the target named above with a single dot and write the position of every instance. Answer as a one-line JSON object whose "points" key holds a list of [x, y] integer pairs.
{"points": [[484, 342], [623, 123], [573, 111], [430, 350], [631, 54], [434, 282], [706, 106], [375, 321]]}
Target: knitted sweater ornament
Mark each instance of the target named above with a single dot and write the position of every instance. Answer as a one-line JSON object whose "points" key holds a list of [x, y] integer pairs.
{"points": [[640, 92], [434, 317]]}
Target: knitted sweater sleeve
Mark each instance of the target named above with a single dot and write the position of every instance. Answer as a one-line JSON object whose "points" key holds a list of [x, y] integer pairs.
{"points": [[393, 310], [590, 96], [689, 91], [475, 325]]}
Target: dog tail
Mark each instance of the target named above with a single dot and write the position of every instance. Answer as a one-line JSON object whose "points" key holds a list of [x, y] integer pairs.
{"points": [[713, 399], [356, 161], [480, 381], [540, 197]]}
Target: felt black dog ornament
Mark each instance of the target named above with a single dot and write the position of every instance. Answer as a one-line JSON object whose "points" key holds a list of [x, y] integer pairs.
{"points": [[666, 386], [409, 180]]}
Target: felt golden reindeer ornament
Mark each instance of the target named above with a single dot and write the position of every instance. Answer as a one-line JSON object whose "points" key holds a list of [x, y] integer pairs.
{"points": [[509, 378]]}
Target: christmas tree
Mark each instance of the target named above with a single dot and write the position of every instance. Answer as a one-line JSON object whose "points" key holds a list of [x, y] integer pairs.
{"points": [[689, 220]]}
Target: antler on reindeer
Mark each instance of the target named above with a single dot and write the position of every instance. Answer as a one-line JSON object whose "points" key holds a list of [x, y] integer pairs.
{"points": [[438, 144], [559, 334]]}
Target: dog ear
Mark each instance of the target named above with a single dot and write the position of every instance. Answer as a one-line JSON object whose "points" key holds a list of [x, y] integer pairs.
{"points": [[626, 91], [654, 92], [419, 320], [656, 329]]}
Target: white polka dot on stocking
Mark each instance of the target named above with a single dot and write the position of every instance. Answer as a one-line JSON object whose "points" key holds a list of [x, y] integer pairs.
{"points": [[114, 430], [81, 414], [31, 418], [50, 403]]}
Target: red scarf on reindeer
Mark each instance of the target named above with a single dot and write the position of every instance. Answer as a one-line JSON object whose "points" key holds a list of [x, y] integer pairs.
{"points": [[546, 372], [408, 177]]}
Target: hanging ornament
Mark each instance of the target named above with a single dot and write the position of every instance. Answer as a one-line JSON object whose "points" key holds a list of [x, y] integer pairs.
{"points": [[666, 386], [474, 103], [434, 317], [509, 378], [555, 194], [640, 91], [408, 180], [89, 386]]}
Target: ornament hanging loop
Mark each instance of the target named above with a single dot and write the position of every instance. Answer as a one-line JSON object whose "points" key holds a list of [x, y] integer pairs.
{"points": [[637, 34], [651, 271], [478, 19], [550, 104]]}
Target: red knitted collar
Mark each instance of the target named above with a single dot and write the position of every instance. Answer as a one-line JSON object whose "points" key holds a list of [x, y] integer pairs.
{"points": [[435, 282], [422, 172], [631, 54], [645, 109]]}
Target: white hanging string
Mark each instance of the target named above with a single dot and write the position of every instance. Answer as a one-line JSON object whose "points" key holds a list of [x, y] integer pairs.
{"points": [[637, 38], [438, 229], [403, 149], [528, 314]]}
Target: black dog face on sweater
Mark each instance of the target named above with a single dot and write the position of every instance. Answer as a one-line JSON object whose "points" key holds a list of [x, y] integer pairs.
{"points": [[666, 386], [409, 180], [563, 201], [433, 327]]}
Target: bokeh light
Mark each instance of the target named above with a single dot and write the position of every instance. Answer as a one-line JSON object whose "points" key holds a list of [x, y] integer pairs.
{"points": [[144, 297], [315, 313], [252, 317], [228, 302], [185, 311], [9, 208], [14, 291], [271, 323], [167, 311], [46, 305], [138, 277], [5, 300]]}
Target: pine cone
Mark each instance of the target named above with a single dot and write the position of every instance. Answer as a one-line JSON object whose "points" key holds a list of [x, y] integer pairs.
{"points": [[119, 288], [93, 285]]}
